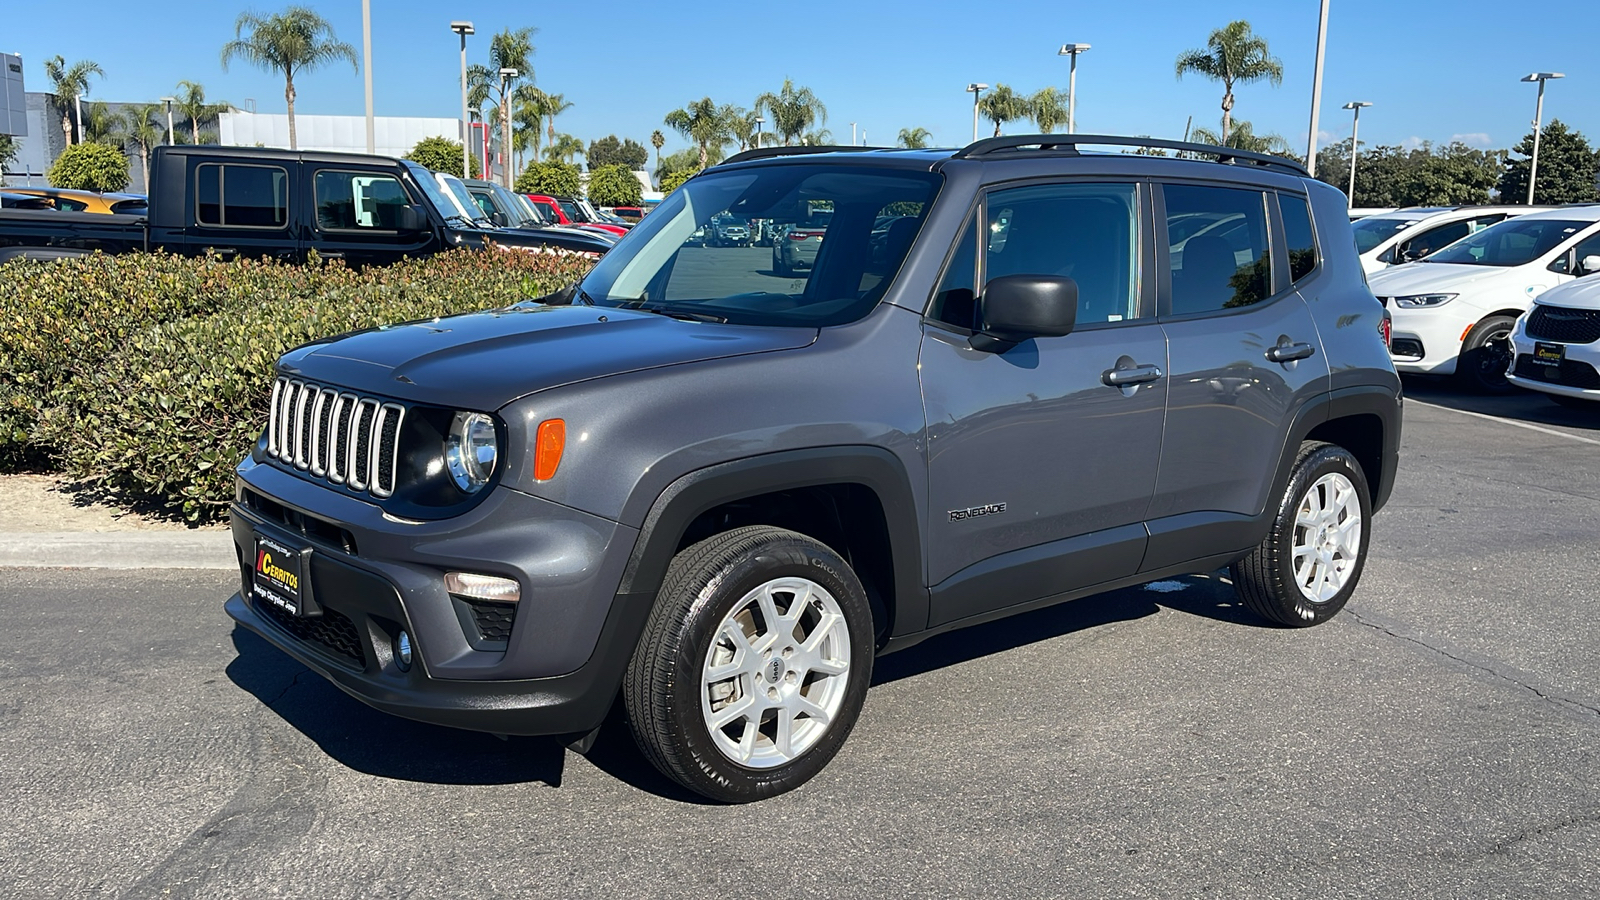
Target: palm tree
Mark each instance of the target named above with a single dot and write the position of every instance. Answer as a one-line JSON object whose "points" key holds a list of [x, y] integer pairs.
{"points": [[295, 40], [914, 138], [70, 84], [554, 105], [741, 124], [793, 110], [143, 133], [193, 106], [821, 137], [1243, 137], [658, 140], [1233, 55], [509, 49], [100, 125], [527, 120], [1004, 105], [702, 123], [1048, 108], [563, 147]]}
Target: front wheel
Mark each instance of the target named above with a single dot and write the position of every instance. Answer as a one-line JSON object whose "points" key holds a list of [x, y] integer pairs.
{"points": [[1308, 565], [1486, 354], [753, 666]]}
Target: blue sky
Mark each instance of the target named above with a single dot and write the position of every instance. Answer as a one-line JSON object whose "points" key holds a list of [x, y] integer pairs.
{"points": [[1434, 71]]}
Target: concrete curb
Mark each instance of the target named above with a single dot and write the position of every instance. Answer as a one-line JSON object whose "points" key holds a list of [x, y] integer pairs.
{"points": [[118, 550]]}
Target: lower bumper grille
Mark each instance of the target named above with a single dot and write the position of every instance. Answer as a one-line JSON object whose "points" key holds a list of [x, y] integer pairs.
{"points": [[333, 630], [1570, 373]]}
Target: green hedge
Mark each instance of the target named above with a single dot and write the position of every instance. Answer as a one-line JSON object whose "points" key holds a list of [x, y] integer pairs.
{"points": [[151, 375]]}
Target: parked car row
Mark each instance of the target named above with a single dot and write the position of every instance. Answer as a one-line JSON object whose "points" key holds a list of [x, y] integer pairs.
{"points": [[69, 200]]}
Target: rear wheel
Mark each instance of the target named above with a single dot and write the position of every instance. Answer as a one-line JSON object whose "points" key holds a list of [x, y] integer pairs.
{"points": [[1305, 570], [1486, 355], [753, 666]]}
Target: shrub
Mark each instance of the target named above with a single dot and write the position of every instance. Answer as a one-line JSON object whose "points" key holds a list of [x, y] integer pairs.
{"points": [[615, 186], [673, 181], [161, 412], [90, 167], [441, 155], [556, 179]]}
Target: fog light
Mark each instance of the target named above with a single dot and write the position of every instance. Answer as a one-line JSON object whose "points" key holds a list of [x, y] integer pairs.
{"points": [[402, 650], [482, 587]]}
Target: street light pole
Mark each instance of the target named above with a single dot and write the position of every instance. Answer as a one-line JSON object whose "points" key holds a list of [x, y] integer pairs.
{"points": [[366, 66], [464, 29], [976, 89], [506, 74], [167, 102], [1072, 50], [1538, 121], [852, 134], [759, 122], [1355, 146], [1316, 91]]}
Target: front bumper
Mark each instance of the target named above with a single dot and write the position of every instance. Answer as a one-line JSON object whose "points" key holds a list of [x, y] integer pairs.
{"points": [[1438, 332], [1577, 376], [557, 670]]}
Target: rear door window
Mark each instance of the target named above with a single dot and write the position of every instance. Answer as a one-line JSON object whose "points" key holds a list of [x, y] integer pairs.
{"points": [[241, 196], [1226, 264]]}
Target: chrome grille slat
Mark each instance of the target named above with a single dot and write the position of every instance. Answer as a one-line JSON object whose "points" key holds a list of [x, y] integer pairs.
{"points": [[340, 437], [274, 441], [302, 426], [386, 448], [360, 473], [320, 417]]}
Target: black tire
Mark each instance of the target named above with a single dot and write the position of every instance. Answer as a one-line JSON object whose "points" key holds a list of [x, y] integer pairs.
{"points": [[1574, 402], [1265, 580], [662, 688], [1485, 356]]}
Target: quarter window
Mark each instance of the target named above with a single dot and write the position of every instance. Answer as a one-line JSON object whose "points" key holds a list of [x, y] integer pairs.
{"points": [[1086, 232], [1298, 234], [1217, 248], [241, 196], [954, 302], [358, 201]]}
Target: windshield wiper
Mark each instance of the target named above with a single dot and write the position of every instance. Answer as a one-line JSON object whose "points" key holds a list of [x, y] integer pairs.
{"points": [[684, 314]]}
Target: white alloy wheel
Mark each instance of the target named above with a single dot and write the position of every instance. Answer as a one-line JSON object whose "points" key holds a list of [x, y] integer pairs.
{"points": [[776, 673], [1327, 537]]}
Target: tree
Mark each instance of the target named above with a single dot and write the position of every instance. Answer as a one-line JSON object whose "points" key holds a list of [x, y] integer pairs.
{"points": [[658, 140], [70, 84], [702, 123], [914, 138], [294, 41], [1233, 55], [685, 160], [1453, 175], [101, 125], [192, 105], [440, 154], [1002, 105], [1048, 109], [608, 151], [508, 49], [528, 105], [142, 133], [821, 137], [556, 179], [675, 180], [1243, 137], [562, 148], [8, 152], [742, 125], [1567, 168], [90, 167], [792, 110], [614, 185]]}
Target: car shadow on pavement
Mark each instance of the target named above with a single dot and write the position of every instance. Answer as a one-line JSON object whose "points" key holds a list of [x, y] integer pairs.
{"points": [[361, 738], [1208, 596], [1521, 405]]}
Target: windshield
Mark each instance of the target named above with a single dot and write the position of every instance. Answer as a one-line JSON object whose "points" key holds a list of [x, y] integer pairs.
{"points": [[1374, 230], [430, 189], [1513, 242], [519, 218], [828, 269], [460, 197]]}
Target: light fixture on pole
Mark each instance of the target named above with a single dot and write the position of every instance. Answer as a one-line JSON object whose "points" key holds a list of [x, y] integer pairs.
{"points": [[976, 89], [852, 134], [366, 68], [1072, 50], [464, 29], [1355, 145], [1316, 92], [506, 74], [167, 102], [1538, 121], [759, 122]]}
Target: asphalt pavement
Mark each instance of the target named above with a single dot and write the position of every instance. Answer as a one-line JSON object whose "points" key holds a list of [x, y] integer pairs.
{"points": [[1436, 740]]}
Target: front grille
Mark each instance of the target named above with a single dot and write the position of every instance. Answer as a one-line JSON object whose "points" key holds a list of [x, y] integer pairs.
{"points": [[1566, 326], [333, 630], [1571, 372], [340, 437]]}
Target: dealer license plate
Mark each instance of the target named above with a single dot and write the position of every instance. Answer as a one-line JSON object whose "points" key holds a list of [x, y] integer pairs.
{"points": [[276, 578], [1549, 354]]}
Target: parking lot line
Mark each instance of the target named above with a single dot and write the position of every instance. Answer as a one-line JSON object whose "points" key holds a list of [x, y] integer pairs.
{"points": [[1572, 437]]}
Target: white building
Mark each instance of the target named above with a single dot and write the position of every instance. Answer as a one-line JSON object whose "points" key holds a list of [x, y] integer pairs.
{"points": [[392, 135]]}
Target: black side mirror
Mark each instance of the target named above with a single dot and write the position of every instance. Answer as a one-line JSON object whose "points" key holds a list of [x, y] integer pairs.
{"points": [[411, 218], [1014, 308]]}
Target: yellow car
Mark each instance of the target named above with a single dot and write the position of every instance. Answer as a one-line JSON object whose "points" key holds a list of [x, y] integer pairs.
{"points": [[68, 200]]}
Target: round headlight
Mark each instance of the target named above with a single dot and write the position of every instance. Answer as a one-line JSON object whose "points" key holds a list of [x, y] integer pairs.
{"points": [[470, 450]]}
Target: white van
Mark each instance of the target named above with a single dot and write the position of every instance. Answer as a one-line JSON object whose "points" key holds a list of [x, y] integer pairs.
{"points": [[1557, 343], [1454, 311], [1407, 235]]}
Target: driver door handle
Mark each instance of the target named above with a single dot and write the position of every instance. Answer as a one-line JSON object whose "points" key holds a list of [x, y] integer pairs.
{"points": [[1289, 352], [1124, 377]]}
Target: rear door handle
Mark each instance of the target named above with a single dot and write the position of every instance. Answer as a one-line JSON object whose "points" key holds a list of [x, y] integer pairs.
{"points": [[1126, 377], [1289, 352]]}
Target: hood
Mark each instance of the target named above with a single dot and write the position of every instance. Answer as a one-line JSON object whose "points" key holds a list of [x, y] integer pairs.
{"points": [[1584, 293], [1430, 278], [483, 361]]}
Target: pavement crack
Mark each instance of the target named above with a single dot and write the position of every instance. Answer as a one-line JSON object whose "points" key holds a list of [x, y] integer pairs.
{"points": [[1568, 704], [270, 704], [1540, 831]]}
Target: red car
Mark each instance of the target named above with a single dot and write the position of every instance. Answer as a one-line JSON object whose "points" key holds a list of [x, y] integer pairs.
{"points": [[576, 211]]}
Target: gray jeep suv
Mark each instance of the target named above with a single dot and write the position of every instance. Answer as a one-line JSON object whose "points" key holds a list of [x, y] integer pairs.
{"points": [[719, 492]]}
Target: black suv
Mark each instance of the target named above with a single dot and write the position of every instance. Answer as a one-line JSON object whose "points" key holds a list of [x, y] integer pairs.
{"points": [[1016, 374]]}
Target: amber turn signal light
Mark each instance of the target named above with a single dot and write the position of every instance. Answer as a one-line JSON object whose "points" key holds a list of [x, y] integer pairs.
{"points": [[548, 443]]}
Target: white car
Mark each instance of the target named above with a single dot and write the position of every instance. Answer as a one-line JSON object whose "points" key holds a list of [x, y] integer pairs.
{"points": [[1453, 312], [1407, 235], [1557, 343]]}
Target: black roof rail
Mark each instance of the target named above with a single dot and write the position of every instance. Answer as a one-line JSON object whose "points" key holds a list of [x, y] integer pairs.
{"points": [[1067, 144], [768, 152]]}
